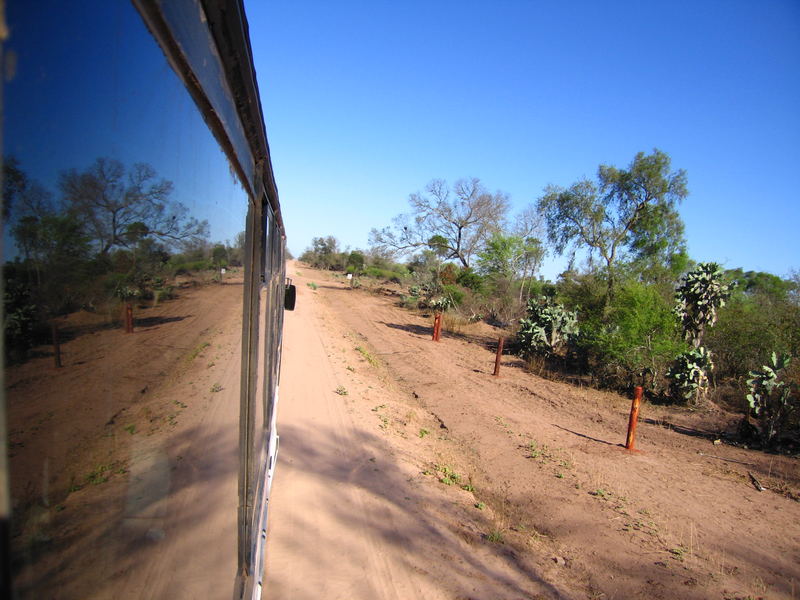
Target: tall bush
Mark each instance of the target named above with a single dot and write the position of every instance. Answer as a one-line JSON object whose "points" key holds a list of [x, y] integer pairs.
{"points": [[637, 339]]}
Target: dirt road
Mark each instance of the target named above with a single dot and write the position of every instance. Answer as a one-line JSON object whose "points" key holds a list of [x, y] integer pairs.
{"points": [[351, 514]]}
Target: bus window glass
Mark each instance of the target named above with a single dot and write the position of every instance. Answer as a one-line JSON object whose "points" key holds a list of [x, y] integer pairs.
{"points": [[123, 254]]}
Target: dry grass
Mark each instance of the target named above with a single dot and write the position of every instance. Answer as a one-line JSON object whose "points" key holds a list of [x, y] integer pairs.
{"points": [[455, 323]]}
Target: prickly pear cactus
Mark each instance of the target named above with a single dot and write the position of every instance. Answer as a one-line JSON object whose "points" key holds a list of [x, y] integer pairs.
{"points": [[689, 375], [703, 291], [547, 328], [770, 399]]}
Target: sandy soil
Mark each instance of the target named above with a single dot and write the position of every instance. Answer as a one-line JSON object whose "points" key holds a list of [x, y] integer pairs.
{"points": [[554, 507], [124, 468], [124, 462]]}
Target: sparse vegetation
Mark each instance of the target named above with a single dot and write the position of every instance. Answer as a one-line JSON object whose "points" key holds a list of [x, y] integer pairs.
{"points": [[367, 356], [198, 349], [495, 536]]}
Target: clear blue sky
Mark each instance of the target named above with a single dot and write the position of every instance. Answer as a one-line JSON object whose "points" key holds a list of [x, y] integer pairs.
{"points": [[366, 102], [91, 82]]}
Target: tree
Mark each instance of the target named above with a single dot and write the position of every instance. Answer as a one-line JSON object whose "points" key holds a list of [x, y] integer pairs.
{"points": [[626, 212], [355, 260], [58, 252], [15, 181], [109, 201], [455, 223], [512, 257], [219, 255], [324, 254]]}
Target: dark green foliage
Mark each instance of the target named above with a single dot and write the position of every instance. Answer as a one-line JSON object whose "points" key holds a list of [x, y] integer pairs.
{"points": [[584, 291], [355, 262], [749, 328], [178, 266], [324, 254], [637, 340], [625, 212], [760, 283], [15, 183], [386, 274], [454, 292], [20, 319], [470, 279], [439, 245], [219, 255]]}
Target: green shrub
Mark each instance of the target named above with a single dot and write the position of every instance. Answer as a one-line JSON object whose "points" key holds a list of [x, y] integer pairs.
{"points": [[20, 321], [409, 301], [384, 274], [470, 279], [638, 336], [355, 262], [188, 267], [454, 293], [749, 328]]}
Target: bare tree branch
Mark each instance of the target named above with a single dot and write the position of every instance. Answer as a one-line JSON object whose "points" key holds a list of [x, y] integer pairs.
{"points": [[457, 221]]}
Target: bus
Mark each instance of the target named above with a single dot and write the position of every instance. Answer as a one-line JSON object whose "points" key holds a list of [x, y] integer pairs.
{"points": [[145, 286]]}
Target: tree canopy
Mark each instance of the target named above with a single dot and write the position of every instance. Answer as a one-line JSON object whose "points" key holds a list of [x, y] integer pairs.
{"points": [[454, 222], [629, 211], [118, 208]]}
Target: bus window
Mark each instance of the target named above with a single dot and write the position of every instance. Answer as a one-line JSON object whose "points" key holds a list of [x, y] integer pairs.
{"points": [[134, 305]]}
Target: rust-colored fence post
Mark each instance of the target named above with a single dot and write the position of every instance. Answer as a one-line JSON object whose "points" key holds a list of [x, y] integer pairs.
{"points": [[437, 326], [56, 346], [500, 342], [637, 400], [128, 318]]}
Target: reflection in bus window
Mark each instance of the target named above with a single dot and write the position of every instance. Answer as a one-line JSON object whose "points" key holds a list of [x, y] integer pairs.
{"points": [[123, 251]]}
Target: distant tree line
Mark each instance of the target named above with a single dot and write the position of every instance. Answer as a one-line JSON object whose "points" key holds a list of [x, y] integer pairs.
{"points": [[635, 310]]}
